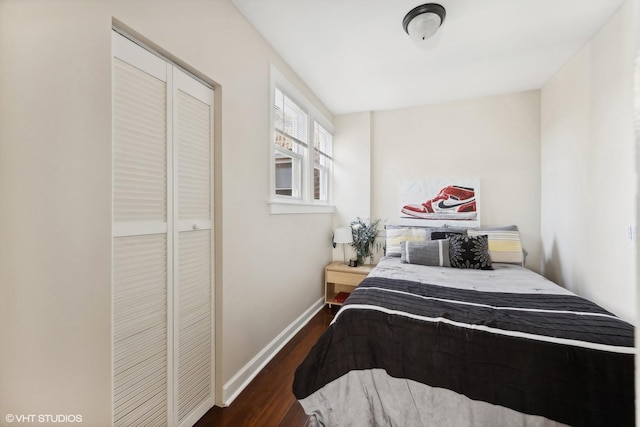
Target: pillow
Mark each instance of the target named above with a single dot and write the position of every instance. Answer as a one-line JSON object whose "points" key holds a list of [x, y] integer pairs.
{"points": [[434, 253], [395, 235], [439, 235], [469, 252], [454, 229], [504, 244]]}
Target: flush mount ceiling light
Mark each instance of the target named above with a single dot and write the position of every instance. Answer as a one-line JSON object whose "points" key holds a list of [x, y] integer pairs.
{"points": [[422, 22]]}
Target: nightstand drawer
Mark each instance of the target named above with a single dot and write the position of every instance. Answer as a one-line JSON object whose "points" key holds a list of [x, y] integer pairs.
{"points": [[344, 278]]}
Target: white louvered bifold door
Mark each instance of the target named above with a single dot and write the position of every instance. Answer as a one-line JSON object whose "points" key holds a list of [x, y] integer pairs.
{"points": [[162, 298], [193, 118], [140, 240]]}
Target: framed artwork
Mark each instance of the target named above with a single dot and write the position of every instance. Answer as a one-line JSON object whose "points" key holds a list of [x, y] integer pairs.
{"points": [[440, 202]]}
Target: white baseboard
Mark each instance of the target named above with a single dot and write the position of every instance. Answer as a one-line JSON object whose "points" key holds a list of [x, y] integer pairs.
{"points": [[243, 377]]}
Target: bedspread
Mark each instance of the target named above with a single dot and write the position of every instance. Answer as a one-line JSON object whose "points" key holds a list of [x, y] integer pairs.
{"points": [[406, 352]]}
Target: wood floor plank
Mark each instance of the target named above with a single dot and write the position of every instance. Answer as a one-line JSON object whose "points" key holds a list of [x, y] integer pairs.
{"points": [[295, 416], [268, 400]]}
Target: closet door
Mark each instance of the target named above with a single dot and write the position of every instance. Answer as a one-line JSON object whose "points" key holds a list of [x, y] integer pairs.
{"points": [[141, 271], [193, 116], [162, 241]]}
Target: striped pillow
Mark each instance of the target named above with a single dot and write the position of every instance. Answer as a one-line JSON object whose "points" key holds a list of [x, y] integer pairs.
{"points": [[434, 253], [403, 234], [504, 244]]}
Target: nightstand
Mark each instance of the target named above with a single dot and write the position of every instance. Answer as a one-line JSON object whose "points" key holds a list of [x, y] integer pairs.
{"points": [[339, 277]]}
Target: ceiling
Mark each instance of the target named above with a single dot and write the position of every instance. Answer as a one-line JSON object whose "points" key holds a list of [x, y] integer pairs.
{"points": [[355, 56]]}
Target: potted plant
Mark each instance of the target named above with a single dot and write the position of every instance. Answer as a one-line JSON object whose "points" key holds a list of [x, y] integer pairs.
{"points": [[364, 236]]}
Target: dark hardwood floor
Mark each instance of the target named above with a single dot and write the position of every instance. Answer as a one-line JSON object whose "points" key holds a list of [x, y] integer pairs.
{"points": [[268, 400]]}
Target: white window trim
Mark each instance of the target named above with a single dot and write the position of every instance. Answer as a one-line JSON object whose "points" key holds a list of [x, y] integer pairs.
{"points": [[306, 203]]}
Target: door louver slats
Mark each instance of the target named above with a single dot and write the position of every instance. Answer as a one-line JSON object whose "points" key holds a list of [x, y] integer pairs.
{"points": [[140, 335]]}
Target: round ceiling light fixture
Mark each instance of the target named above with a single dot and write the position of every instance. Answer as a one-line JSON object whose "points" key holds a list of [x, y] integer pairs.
{"points": [[422, 22]]}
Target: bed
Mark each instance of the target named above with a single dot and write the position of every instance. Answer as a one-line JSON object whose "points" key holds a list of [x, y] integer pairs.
{"points": [[424, 345]]}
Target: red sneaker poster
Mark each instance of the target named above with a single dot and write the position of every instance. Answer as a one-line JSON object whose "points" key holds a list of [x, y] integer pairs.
{"points": [[439, 202]]}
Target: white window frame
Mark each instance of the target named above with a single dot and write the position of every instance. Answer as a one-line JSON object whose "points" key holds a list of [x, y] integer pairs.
{"points": [[305, 202], [324, 163]]}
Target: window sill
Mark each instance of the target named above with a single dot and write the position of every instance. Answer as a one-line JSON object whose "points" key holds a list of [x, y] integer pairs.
{"points": [[278, 208]]}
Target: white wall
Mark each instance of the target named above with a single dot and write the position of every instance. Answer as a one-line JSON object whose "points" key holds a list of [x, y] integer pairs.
{"points": [[351, 173], [55, 196], [495, 139], [588, 169]]}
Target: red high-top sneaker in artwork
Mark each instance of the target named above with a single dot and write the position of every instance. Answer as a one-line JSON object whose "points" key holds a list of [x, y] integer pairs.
{"points": [[452, 202]]}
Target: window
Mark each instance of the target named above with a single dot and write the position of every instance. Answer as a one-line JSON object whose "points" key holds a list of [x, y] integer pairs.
{"points": [[322, 146], [290, 139], [301, 146]]}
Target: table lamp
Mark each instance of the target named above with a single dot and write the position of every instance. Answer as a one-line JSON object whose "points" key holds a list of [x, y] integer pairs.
{"points": [[343, 235]]}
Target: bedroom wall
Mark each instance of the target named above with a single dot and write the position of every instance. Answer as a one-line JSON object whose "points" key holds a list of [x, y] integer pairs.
{"points": [[55, 192], [588, 169], [496, 139], [351, 173]]}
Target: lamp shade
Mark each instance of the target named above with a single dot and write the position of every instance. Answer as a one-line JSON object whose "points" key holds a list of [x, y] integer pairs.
{"points": [[343, 235]]}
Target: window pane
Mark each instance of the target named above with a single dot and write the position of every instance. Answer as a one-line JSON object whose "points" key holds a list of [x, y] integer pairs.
{"points": [[295, 120], [322, 147], [290, 139], [288, 143], [278, 119], [283, 141], [288, 177], [322, 139], [320, 184], [321, 159], [289, 117]]}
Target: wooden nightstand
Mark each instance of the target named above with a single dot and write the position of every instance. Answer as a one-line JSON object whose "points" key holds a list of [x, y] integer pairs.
{"points": [[339, 277]]}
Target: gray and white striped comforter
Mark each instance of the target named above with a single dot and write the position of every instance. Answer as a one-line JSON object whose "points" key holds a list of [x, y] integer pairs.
{"points": [[432, 346]]}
